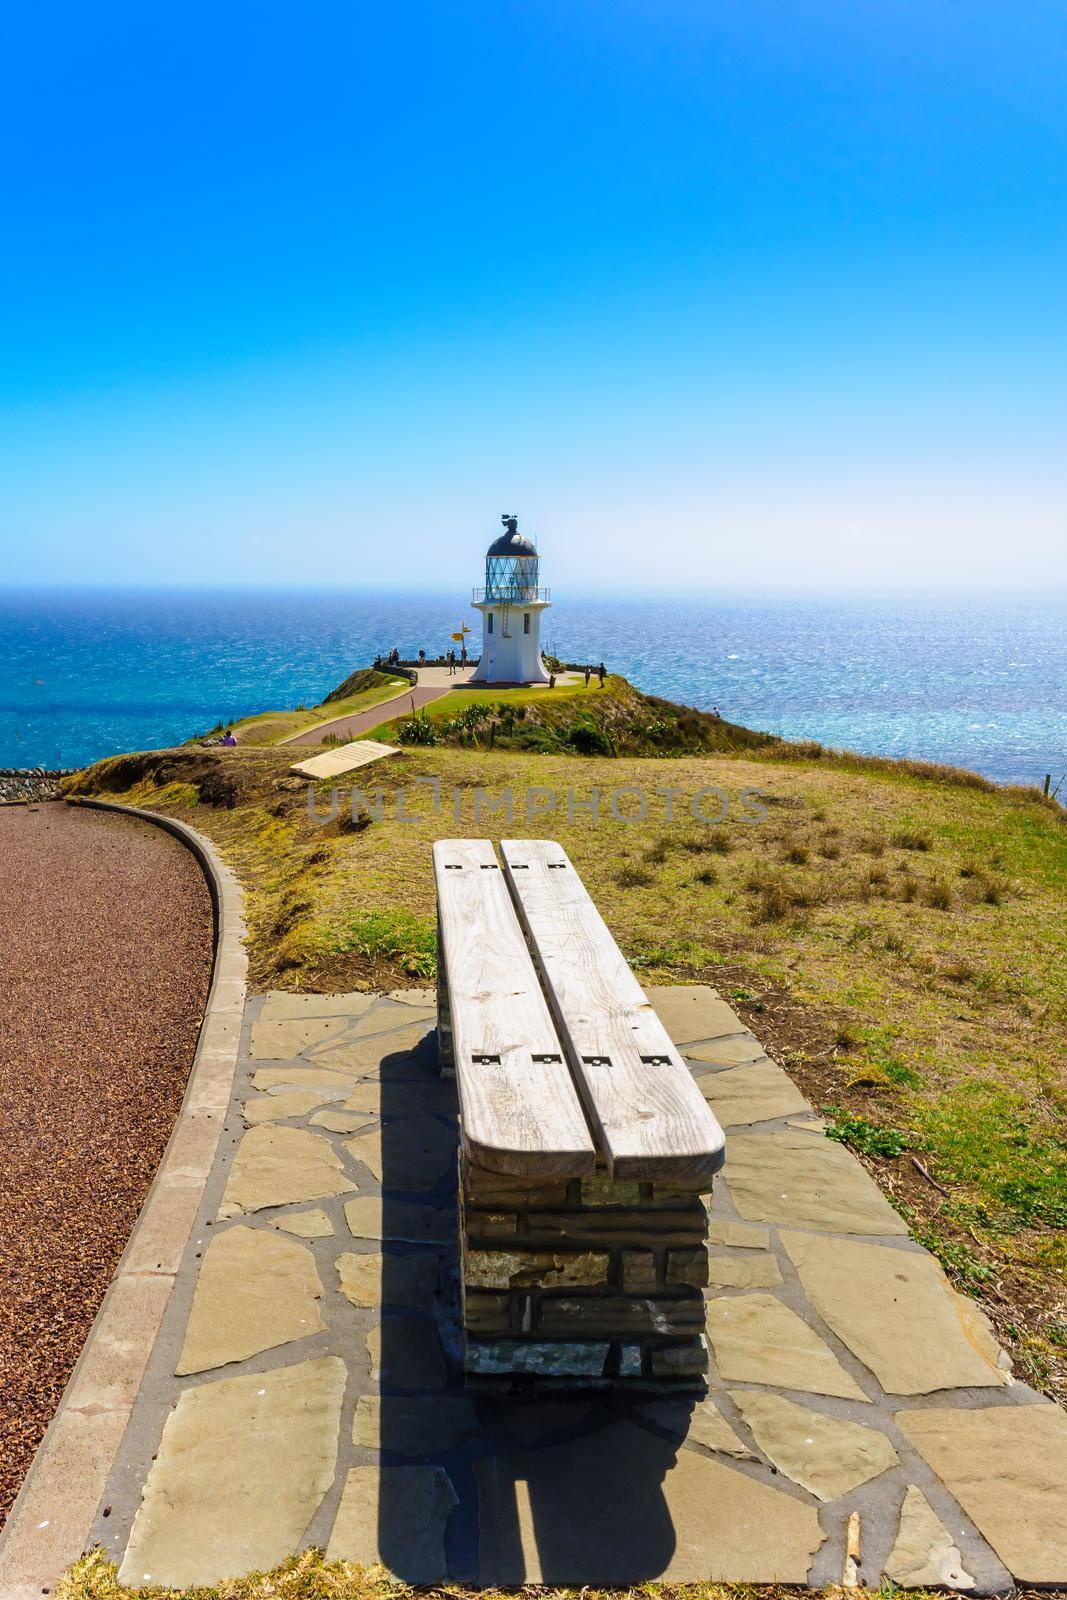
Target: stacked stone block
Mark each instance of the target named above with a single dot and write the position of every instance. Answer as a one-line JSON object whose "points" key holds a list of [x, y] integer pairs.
{"points": [[588, 1281]]}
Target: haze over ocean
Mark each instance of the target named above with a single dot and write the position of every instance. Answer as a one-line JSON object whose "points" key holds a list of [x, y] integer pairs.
{"points": [[981, 686]]}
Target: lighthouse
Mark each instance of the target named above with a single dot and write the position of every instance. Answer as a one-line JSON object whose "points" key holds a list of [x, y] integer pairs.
{"points": [[511, 605]]}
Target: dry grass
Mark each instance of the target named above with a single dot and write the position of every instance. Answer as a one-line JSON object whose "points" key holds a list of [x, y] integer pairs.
{"points": [[310, 1577]]}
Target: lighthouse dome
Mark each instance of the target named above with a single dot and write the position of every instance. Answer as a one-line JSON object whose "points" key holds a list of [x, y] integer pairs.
{"points": [[510, 543], [511, 566]]}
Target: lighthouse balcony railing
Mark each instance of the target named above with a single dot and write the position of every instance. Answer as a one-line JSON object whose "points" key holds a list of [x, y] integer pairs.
{"points": [[512, 594]]}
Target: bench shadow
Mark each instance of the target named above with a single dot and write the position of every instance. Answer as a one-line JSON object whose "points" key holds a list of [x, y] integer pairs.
{"points": [[562, 1488]]}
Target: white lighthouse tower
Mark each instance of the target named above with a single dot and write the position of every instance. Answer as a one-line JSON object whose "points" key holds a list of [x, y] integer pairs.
{"points": [[511, 605]]}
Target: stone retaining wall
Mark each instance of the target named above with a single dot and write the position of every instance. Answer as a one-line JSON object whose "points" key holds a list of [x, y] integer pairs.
{"points": [[586, 1280], [19, 784]]}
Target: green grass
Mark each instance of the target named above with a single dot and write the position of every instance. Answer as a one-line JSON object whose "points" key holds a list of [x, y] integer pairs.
{"points": [[409, 942], [456, 700]]}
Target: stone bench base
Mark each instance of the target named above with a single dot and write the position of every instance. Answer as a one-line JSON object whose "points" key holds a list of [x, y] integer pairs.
{"points": [[587, 1282]]}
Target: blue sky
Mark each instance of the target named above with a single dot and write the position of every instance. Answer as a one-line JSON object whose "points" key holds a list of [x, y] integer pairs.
{"points": [[735, 297]]}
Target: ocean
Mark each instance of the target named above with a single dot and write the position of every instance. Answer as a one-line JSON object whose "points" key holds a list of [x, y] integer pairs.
{"points": [[89, 674]]}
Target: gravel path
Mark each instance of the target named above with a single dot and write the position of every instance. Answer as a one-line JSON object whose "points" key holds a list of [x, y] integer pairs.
{"points": [[105, 963]]}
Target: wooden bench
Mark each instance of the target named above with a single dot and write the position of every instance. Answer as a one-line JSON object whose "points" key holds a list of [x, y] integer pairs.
{"points": [[586, 1147]]}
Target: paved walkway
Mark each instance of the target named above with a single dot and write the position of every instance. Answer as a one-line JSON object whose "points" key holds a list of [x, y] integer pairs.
{"points": [[305, 1388], [361, 722]]}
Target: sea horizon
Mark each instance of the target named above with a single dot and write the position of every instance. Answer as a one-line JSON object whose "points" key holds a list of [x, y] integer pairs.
{"points": [[972, 683]]}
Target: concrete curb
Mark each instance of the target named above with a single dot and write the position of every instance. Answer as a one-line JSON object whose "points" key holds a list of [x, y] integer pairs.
{"points": [[51, 1520]]}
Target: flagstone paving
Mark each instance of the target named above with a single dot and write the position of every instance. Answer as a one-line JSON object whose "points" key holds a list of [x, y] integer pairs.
{"points": [[306, 1387], [255, 1290]]}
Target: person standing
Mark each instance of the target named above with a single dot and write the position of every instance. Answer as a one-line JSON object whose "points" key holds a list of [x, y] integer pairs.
{"points": [[601, 673]]}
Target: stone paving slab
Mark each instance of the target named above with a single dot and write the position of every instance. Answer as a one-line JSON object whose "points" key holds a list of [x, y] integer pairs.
{"points": [[216, 1500], [1007, 1467], [395, 1509], [832, 1336], [787, 1177], [822, 1453], [276, 1165], [280, 1006], [255, 1290], [621, 1505], [923, 1552], [756, 1338], [346, 758], [897, 1312], [754, 1093], [276, 1041]]}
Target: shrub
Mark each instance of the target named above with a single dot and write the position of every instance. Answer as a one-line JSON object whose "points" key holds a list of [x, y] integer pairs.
{"points": [[796, 855], [707, 875], [418, 730], [589, 739]]}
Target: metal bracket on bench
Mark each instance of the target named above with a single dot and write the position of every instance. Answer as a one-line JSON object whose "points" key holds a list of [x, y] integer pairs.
{"points": [[597, 1061], [486, 1061], [656, 1061], [489, 866], [546, 1059], [556, 866], [453, 866]]}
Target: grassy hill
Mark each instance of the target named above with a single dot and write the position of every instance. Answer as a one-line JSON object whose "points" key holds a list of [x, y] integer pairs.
{"points": [[575, 718], [893, 933], [360, 692]]}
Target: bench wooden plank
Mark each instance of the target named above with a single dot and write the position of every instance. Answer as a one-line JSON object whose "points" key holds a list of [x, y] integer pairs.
{"points": [[649, 1117], [520, 1111]]}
